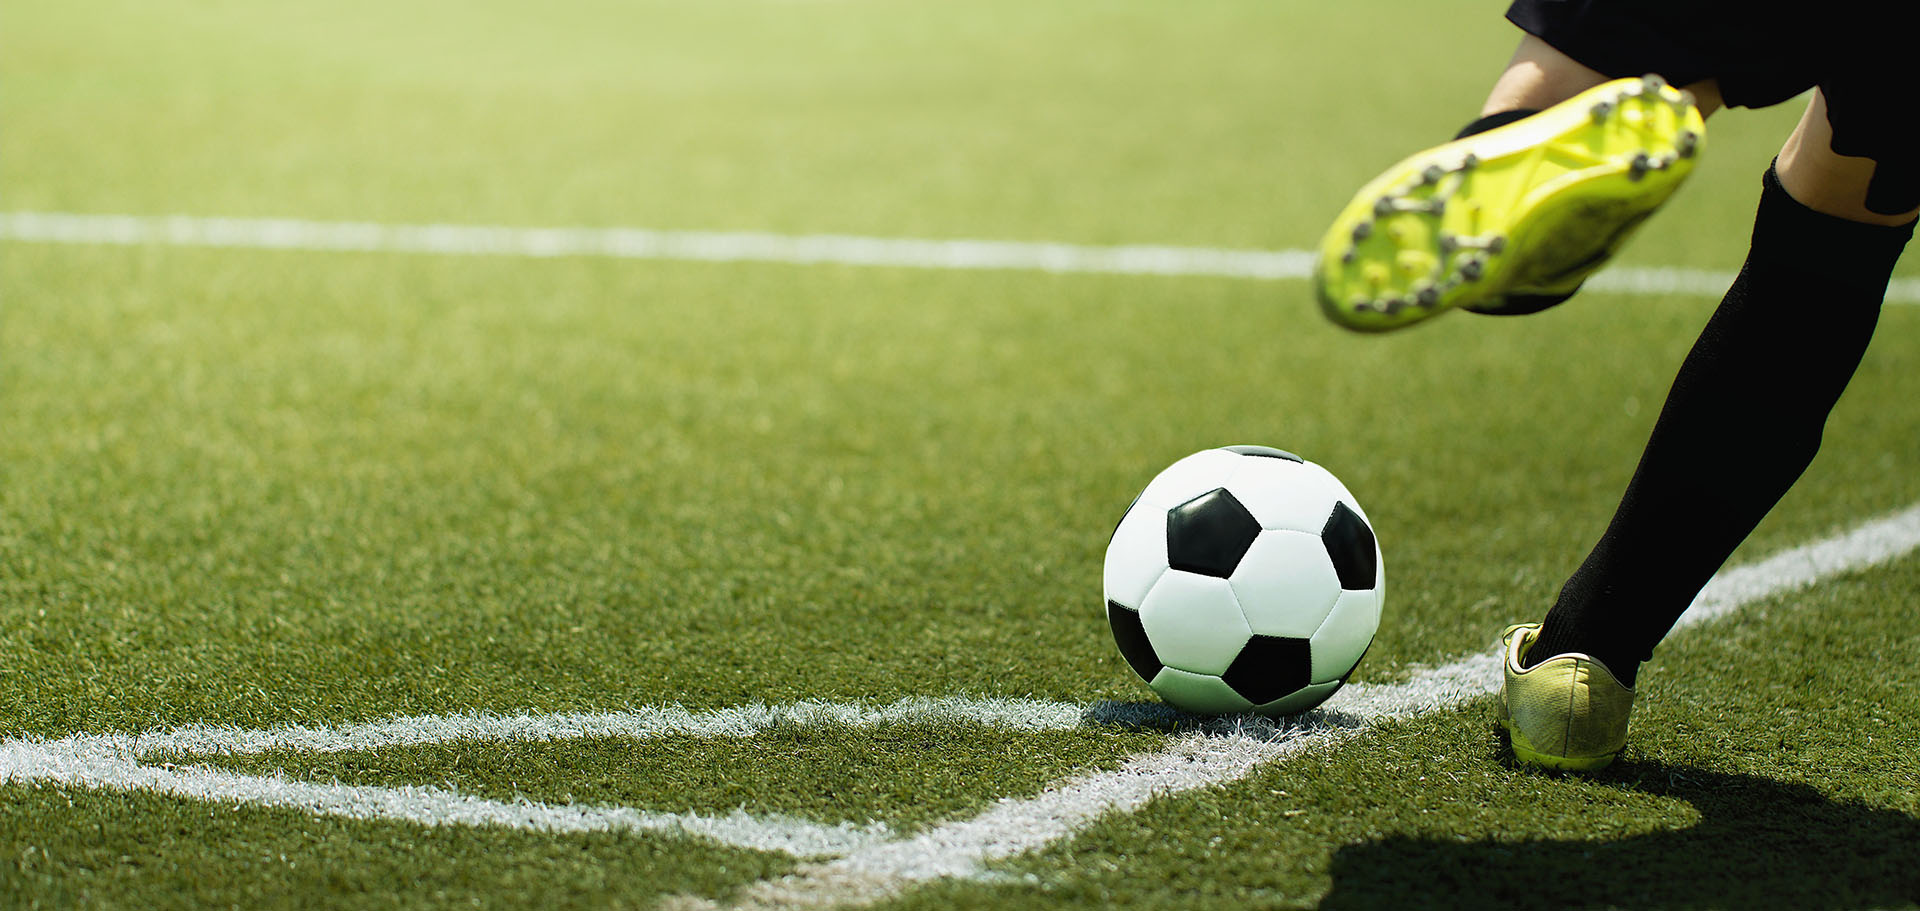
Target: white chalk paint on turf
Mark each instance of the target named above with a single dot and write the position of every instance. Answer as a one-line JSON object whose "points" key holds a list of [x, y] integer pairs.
{"points": [[866, 862], [1228, 750], [643, 243], [161, 762], [748, 246], [659, 721], [98, 763]]}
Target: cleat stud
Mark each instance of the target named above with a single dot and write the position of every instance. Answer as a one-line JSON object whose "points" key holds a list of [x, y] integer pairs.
{"points": [[1652, 82], [1349, 256], [1686, 100], [1437, 207], [1687, 143], [1469, 162], [1471, 270], [1497, 243], [1432, 174], [1383, 206], [1392, 306], [1427, 297], [1362, 305], [1447, 243], [1640, 165], [1362, 230], [1601, 111]]}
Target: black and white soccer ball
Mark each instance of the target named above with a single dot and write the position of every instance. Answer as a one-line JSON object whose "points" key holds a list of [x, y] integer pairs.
{"points": [[1244, 579]]}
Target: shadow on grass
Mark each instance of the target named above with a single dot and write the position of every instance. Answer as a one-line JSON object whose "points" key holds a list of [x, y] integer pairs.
{"points": [[1759, 843], [1158, 716]]}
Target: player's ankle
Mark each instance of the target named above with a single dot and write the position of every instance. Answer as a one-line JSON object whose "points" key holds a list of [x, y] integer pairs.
{"points": [[1562, 639], [1495, 121]]}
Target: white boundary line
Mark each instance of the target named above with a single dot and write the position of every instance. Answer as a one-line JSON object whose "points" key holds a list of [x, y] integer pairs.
{"points": [[148, 762], [867, 864], [78, 762], [1211, 759], [663, 721], [643, 243], [742, 246]]}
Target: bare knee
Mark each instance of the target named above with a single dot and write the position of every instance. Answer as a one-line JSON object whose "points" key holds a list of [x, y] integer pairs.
{"points": [[1825, 181], [1539, 76]]}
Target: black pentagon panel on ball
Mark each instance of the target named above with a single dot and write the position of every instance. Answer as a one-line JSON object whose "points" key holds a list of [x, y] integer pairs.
{"points": [[1266, 452], [1209, 534], [1132, 639], [1269, 667], [1350, 545]]}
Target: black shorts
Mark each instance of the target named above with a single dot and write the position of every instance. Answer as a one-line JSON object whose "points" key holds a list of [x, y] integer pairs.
{"points": [[1860, 53]]}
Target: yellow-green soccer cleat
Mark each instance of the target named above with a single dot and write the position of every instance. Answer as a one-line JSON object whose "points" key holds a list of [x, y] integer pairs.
{"points": [[1567, 712], [1530, 208]]}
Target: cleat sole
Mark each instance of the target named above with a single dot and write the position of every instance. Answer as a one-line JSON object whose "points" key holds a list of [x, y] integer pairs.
{"points": [[1536, 205]]}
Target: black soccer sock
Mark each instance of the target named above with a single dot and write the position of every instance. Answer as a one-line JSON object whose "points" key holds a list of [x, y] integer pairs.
{"points": [[1742, 421], [1495, 120]]}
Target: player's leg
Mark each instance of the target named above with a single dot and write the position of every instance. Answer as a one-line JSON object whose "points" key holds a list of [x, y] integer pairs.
{"points": [[1848, 187], [1746, 413], [1525, 203], [1540, 76]]}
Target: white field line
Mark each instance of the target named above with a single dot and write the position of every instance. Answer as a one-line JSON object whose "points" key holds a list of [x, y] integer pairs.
{"points": [[742, 246], [664, 721], [1218, 757], [869, 864], [71, 762], [147, 762], [642, 243]]}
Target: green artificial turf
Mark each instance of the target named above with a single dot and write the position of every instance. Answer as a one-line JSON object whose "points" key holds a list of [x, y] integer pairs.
{"points": [[1770, 765], [1087, 121], [263, 488], [903, 776], [69, 849]]}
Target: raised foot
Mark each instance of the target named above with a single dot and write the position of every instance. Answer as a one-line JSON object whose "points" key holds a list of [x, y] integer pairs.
{"points": [[1533, 202]]}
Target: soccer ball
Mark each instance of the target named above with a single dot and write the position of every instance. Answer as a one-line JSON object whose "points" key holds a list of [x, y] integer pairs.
{"points": [[1244, 579]]}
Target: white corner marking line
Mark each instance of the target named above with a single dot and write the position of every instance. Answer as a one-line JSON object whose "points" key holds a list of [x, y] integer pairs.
{"points": [[753, 246], [96, 764], [1234, 749], [869, 863], [642, 723], [125, 762]]}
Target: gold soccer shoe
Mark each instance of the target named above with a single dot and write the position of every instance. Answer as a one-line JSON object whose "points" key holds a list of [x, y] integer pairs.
{"points": [[1567, 712]]}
